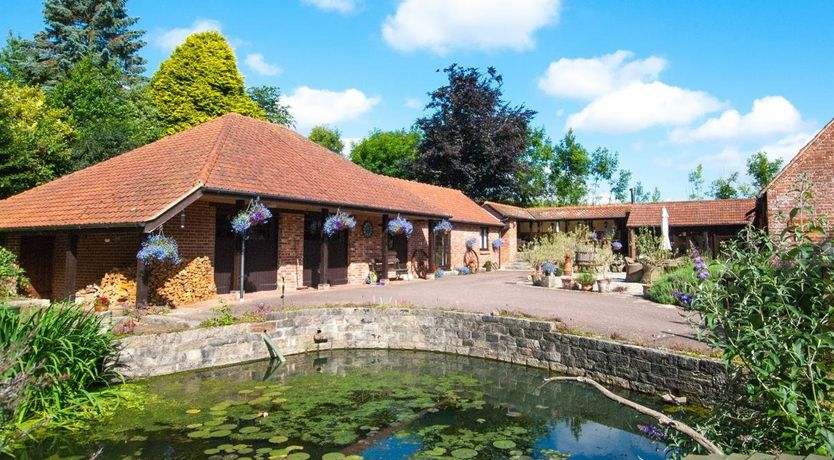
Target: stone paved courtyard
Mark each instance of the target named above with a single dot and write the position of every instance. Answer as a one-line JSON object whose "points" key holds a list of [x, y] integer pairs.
{"points": [[620, 316]]}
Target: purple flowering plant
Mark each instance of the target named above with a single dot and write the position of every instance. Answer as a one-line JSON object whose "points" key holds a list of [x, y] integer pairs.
{"points": [[683, 298], [497, 243], [159, 248], [616, 245], [338, 222], [652, 432], [256, 213], [400, 226], [470, 243], [700, 266], [444, 226]]}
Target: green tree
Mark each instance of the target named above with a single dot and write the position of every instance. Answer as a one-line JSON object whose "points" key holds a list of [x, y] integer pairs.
{"points": [[200, 82], [570, 171], [533, 175], [269, 99], [725, 188], [327, 137], [604, 165], [474, 139], [108, 117], [641, 195], [79, 28], [13, 60], [34, 139], [620, 188], [389, 153], [762, 170], [696, 180]]}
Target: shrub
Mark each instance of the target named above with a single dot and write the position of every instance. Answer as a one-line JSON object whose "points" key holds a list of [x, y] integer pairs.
{"points": [[650, 247], [62, 347], [586, 278], [11, 275], [771, 310], [678, 280], [222, 316], [553, 247]]}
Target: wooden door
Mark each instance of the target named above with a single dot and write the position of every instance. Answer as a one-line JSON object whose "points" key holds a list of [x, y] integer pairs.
{"points": [[261, 261], [399, 245], [36, 261], [224, 250], [312, 249], [337, 258]]}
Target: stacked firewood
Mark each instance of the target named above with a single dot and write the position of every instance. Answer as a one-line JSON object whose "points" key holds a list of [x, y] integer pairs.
{"points": [[181, 284], [119, 285]]}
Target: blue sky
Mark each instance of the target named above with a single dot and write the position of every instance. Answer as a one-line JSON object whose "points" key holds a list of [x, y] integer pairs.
{"points": [[668, 85]]}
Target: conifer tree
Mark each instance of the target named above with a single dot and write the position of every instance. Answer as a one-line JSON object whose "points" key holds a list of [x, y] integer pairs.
{"points": [[199, 82]]}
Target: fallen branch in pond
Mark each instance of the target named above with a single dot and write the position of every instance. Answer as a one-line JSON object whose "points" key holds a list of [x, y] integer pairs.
{"points": [[663, 419]]}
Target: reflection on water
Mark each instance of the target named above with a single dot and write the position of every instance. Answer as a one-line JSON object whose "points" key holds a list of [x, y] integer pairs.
{"points": [[343, 405]]}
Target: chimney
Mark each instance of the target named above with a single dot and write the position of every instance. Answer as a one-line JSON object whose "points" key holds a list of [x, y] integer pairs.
{"points": [[632, 194]]}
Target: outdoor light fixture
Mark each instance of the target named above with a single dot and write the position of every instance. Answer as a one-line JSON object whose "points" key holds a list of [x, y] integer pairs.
{"points": [[182, 219]]}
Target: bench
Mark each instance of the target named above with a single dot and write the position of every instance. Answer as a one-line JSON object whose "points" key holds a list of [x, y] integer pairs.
{"points": [[396, 269]]}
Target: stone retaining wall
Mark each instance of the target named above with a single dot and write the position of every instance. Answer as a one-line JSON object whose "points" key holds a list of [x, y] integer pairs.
{"points": [[521, 341]]}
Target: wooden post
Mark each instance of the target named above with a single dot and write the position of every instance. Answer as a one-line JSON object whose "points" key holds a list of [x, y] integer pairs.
{"points": [[70, 266], [632, 243], [384, 274], [431, 246], [242, 278], [323, 251], [141, 284]]}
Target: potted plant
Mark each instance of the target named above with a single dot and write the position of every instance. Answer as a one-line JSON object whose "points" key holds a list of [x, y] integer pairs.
{"points": [[603, 258], [586, 280], [549, 270], [338, 222], [567, 282], [618, 263], [584, 254], [101, 303], [651, 254], [400, 226]]}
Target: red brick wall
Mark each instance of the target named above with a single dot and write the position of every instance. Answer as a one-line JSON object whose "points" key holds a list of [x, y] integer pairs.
{"points": [[816, 163], [194, 235], [463, 232], [510, 236], [98, 253], [291, 249], [361, 250]]}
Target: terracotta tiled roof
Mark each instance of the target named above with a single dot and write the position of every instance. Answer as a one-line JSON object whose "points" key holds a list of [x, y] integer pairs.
{"points": [[508, 210], [451, 201], [693, 213], [232, 153], [602, 211]]}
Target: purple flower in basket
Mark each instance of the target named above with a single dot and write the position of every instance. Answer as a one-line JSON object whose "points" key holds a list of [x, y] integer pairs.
{"points": [[259, 213], [497, 243], [255, 214], [338, 222], [444, 226], [159, 248], [470, 243], [400, 226], [241, 223], [616, 245]]}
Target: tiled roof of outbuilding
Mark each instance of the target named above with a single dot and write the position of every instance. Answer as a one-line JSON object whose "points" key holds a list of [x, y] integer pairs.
{"points": [[450, 201], [693, 213]]}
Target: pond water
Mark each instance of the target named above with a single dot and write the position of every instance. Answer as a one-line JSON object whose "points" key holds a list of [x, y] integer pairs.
{"points": [[347, 405]]}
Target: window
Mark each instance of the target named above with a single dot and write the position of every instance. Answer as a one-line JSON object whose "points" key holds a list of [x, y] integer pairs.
{"points": [[484, 238]]}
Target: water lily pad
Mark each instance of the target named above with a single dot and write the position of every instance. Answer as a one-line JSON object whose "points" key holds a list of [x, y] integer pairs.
{"points": [[138, 438], [191, 426], [278, 439], [211, 451], [245, 450], [436, 452], [199, 434], [227, 426], [226, 447], [240, 446], [193, 411], [333, 456], [279, 400], [220, 433], [249, 416], [513, 413], [215, 422], [504, 444], [298, 456], [354, 457], [250, 429], [292, 448], [245, 392], [515, 453], [464, 453]]}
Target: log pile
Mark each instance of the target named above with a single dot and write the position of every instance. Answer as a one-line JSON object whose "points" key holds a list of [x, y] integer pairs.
{"points": [[182, 284], [119, 285]]}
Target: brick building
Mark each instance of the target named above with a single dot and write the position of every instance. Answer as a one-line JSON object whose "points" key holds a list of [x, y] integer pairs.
{"points": [[69, 232], [814, 162]]}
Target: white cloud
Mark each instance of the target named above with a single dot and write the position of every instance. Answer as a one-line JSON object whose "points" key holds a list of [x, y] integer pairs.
{"points": [[170, 39], [413, 103], [441, 26], [257, 63], [638, 106], [312, 107], [769, 115], [787, 147], [349, 143], [587, 78], [339, 6]]}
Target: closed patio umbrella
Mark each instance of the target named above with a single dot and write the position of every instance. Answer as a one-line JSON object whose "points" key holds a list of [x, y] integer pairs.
{"points": [[664, 229]]}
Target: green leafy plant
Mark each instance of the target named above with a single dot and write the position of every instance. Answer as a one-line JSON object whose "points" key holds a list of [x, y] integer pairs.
{"points": [[586, 278], [650, 248], [11, 275], [771, 310], [222, 316], [678, 280]]}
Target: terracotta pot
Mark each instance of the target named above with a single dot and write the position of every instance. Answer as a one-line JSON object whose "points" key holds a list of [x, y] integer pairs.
{"points": [[101, 307], [568, 266], [604, 285], [567, 282], [587, 287]]}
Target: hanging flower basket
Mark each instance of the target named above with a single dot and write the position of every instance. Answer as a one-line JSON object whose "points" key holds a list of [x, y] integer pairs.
{"points": [[470, 243], [400, 226], [444, 226], [338, 222], [159, 248], [255, 214], [616, 245], [497, 243]]}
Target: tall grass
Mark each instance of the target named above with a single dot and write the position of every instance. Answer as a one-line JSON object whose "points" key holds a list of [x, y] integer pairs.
{"points": [[65, 351]]}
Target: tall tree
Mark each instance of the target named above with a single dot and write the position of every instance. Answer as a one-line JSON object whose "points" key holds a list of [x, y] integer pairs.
{"points": [[327, 137], [604, 165], [34, 139], [79, 28], [389, 153], [199, 82], [620, 188], [474, 139], [725, 188], [108, 117], [696, 180], [762, 170], [570, 171], [533, 175], [641, 195], [269, 99]]}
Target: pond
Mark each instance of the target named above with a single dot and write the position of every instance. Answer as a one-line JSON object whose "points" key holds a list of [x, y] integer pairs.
{"points": [[348, 405]]}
